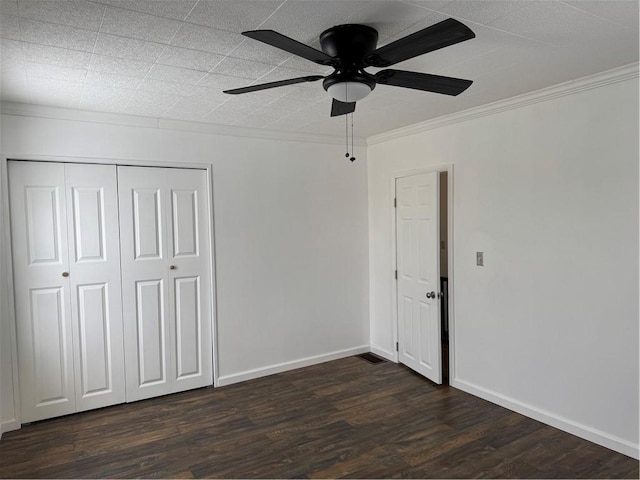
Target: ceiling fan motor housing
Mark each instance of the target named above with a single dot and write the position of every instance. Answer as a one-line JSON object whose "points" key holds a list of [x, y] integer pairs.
{"points": [[349, 45]]}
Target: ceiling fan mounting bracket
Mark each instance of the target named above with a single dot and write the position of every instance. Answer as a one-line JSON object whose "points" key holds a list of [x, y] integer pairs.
{"points": [[350, 43]]}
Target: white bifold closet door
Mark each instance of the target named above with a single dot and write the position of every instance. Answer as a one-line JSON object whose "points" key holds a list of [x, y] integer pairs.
{"points": [[66, 263], [166, 290]]}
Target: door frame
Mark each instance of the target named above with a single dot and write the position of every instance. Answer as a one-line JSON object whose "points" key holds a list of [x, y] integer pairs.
{"points": [[446, 167], [9, 309]]}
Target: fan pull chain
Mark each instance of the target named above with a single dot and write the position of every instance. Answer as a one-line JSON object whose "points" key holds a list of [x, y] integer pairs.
{"points": [[346, 136], [352, 150]]}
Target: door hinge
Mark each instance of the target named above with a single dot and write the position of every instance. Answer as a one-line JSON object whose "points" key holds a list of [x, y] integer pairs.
{"points": [[395, 203], [396, 274], [397, 346]]}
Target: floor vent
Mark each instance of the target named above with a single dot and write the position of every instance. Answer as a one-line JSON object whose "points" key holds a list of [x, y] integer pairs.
{"points": [[371, 358]]}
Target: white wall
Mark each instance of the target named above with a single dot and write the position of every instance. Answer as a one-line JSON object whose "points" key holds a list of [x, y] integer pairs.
{"points": [[549, 192], [291, 243]]}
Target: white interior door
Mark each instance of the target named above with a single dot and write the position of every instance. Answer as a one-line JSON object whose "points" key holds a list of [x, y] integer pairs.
{"points": [[418, 263], [96, 307], [165, 281], [42, 297]]}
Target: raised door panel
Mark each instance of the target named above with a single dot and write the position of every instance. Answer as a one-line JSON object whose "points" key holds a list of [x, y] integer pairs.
{"points": [[96, 306], [93, 323], [42, 299], [50, 347], [147, 223], [188, 327], [184, 210], [42, 210], [151, 335], [89, 224]]}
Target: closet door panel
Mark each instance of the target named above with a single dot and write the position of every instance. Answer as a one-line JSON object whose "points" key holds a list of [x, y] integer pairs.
{"points": [[96, 307], [151, 335], [190, 294], [147, 224], [188, 327], [40, 257], [143, 204]]}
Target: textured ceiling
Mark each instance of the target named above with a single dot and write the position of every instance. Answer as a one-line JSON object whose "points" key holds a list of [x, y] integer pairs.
{"points": [[172, 58]]}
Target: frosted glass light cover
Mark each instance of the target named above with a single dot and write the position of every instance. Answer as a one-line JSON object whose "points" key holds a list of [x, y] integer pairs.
{"points": [[349, 91]]}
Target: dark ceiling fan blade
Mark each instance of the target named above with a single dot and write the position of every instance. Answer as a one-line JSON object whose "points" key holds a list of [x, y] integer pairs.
{"points": [[290, 45], [442, 34], [281, 83], [423, 81], [342, 108]]}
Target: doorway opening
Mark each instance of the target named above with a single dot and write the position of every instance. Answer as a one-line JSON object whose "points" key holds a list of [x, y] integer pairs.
{"points": [[422, 224], [444, 273]]}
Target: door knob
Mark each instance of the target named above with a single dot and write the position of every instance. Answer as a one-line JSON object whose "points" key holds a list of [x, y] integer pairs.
{"points": [[431, 294], [172, 267], [65, 274]]}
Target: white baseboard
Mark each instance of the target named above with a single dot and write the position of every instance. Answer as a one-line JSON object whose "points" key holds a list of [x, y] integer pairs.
{"points": [[588, 433], [381, 352], [9, 425], [292, 365]]}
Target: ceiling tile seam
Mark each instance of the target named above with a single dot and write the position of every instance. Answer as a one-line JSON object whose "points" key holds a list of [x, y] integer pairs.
{"points": [[476, 57], [286, 115], [238, 46], [514, 34], [230, 54], [211, 71], [409, 2], [29, 89], [108, 5], [164, 49], [271, 14], [93, 50], [49, 22], [520, 7], [478, 24], [595, 15], [191, 11], [499, 69], [145, 61], [112, 35], [160, 16], [95, 43], [297, 111], [169, 44], [251, 83], [214, 108]]}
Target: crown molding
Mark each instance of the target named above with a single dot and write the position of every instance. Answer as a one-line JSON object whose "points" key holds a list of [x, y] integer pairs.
{"points": [[615, 75], [59, 113]]}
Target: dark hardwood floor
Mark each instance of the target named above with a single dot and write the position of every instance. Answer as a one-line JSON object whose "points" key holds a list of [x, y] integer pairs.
{"points": [[347, 418]]}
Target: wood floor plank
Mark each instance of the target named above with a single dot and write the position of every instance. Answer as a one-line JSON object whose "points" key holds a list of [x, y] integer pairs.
{"points": [[343, 419]]}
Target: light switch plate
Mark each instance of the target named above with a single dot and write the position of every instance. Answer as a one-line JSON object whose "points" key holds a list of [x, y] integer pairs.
{"points": [[480, 259]]}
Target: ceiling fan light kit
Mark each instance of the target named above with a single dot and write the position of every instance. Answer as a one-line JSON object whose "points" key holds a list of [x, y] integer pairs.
{"points": [[349, 49], [349, 91]]}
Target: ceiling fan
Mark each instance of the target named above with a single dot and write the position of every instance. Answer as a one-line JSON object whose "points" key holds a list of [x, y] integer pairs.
{"points": [[349, 49]]}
